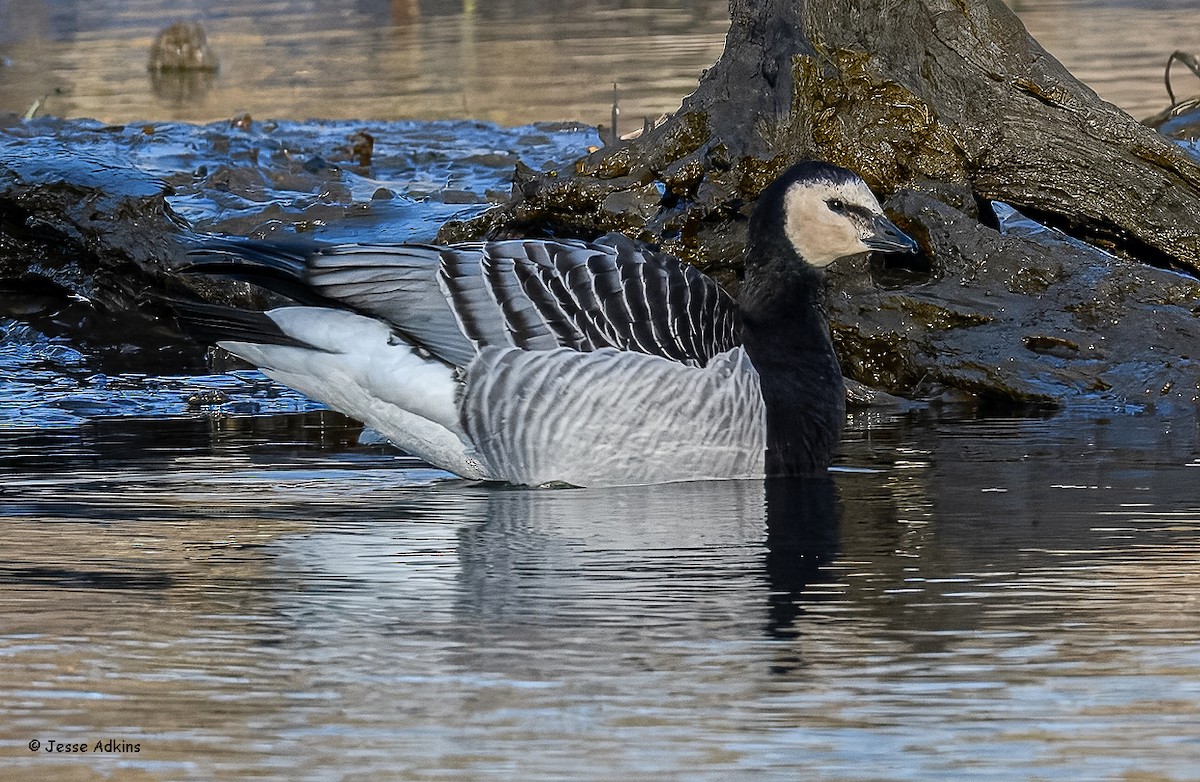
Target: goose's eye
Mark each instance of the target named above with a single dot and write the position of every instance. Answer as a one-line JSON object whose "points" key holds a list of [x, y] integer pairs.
{"points": [[836, 205]]}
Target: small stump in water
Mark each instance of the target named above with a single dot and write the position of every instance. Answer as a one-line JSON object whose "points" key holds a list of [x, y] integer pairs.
{"points": [[182, 65]]}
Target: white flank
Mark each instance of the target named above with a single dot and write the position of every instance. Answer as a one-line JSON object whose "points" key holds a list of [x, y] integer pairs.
{"points": [[361, 369]]}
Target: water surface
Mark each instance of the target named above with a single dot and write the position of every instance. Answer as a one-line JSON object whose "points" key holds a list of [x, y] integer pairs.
{"points": [[265, 598], [511, 61]]}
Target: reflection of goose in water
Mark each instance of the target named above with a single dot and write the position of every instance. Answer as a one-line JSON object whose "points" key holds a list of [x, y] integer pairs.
{"points": [[597, 364], [803, 535], [722, 557]]}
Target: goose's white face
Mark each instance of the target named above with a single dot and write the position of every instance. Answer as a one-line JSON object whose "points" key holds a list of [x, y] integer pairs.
{"points": [[825, 221]]}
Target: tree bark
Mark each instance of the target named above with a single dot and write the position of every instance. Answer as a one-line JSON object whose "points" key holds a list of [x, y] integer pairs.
{"points": [[949, 97]]}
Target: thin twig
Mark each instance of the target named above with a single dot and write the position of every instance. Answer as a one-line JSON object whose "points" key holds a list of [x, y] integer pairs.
{"points": [[616, 112], [1187, 59]]}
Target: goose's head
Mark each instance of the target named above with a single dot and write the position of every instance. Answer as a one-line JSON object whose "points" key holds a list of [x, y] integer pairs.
{"points": [[824, 213]]}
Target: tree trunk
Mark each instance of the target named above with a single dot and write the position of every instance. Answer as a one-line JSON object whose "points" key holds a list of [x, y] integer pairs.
{"points": [[944, 96]]}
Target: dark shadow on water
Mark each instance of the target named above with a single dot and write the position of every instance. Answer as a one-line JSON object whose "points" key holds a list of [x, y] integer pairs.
{"points": [[803, 534], [75, 578], [122, 443]]}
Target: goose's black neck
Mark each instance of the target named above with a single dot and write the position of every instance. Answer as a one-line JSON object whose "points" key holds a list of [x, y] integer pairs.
{"points": [[785, 332]]}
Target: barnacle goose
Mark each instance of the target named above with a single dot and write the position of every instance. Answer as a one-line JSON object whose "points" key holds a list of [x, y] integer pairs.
{"points": [[560, 361]]}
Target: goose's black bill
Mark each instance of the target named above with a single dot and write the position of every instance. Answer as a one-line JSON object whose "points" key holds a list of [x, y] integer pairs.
{"points": [[886, 237]]}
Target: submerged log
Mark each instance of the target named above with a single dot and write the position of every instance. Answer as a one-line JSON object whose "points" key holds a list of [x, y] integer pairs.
{"points": [[86, 247]]}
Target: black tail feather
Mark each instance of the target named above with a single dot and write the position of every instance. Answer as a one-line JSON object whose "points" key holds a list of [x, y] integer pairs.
{"points": [[280, 267], [209, 324]]}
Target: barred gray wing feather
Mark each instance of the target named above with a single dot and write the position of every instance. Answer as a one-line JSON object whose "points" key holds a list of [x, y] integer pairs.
{"points": [[612, 293], [530, 294], [514, 294], [673, 309], [609, 417], [486, 295], [658, 305]]}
